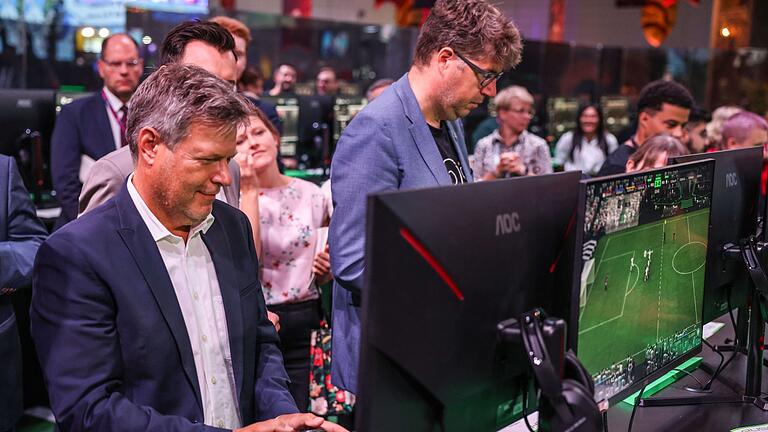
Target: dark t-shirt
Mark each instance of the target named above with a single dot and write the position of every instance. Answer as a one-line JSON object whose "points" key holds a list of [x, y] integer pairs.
{"points": [[616, 163], [448, 153]]}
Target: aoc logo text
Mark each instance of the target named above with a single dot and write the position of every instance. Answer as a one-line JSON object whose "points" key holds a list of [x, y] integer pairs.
{"points": [[507, 223]]}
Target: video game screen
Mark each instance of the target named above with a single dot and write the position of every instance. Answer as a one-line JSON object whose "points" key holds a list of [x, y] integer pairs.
{"points": [[644, 255]]}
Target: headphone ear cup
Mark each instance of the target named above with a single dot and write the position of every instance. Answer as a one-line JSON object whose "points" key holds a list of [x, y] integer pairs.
{"points": [[574, 370], [582, 404]]}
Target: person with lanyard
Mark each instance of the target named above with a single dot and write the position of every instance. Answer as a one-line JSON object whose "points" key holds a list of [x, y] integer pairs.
{"points": [[663, 107], [410, 137], [91, 127], [511, 150]]}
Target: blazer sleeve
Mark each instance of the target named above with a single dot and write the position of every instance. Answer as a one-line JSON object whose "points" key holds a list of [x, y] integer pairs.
{"points": [[65, 161], [365, 162], [25, 234], [73, 324], [104, 181], [273, 398]]}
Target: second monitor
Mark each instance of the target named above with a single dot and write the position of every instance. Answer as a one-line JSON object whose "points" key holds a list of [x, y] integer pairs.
{"points": [[643, 256]]}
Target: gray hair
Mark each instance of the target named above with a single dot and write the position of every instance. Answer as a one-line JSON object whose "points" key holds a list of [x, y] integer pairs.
{"points": [[504, 98], [175, 96]]}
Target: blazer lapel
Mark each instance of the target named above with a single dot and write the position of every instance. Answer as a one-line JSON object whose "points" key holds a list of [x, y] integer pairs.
{"points": [[221, 253], [422, 137], [102, 125], [138, 240]]}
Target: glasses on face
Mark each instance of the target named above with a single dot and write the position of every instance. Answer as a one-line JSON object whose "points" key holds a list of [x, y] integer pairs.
{"points": [[486, 77], [130, 64]]}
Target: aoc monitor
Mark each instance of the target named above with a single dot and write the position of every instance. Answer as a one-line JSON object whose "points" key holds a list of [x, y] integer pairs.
{"points": [[444, 267], [643, 254], [26, 120], [733, 217]]}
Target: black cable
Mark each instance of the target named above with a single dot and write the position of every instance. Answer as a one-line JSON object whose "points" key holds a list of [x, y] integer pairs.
{"points": [[525, 405], [634, 408], [690, 375], [605, 421], [719, 366], [722, 366]]}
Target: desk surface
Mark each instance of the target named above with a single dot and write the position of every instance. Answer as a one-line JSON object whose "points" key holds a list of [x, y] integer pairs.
{"points": [[697, 418]]}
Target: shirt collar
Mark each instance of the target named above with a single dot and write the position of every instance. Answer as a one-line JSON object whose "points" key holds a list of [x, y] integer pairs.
{"points": [[156, 228], [113, 100], [496, 136]]}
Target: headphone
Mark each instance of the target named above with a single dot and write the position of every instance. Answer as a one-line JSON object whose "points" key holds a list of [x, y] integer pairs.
{"points": [[571, 400]]}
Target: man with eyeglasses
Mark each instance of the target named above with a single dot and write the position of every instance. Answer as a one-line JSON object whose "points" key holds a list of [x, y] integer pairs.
{"points": [[91, 127], [511, 150], [411, 137]]}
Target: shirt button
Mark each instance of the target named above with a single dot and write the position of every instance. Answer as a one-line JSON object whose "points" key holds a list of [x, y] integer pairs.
{"points": [[205, 338], [213, 381], [195, 296], [220, 423]]}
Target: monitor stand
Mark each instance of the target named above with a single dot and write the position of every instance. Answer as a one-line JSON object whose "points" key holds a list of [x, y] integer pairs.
{"points": [[750, 252]]}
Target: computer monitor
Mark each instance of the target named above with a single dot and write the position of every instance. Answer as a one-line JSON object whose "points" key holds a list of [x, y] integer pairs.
{"points": [[443, 267], [314, 129], [344, 110], [733, 217], [26, 119], [643, 254], [562, 114], [288, 110], [615, 113]]}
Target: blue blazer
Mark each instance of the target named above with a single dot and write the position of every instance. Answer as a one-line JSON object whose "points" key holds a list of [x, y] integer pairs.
{"points": [[21, 233], [111, 337], [387, 146], [82, 128]]}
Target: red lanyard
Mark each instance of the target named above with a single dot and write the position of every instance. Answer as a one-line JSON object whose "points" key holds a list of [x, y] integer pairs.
{"points": [[120, 123]]}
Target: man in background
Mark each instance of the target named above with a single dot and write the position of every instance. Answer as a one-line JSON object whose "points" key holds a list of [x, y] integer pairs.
{"points": [[326, 83], [695, 131], [377, 88], [285, 77], [242, 36], [89, 128], [663, 107]]}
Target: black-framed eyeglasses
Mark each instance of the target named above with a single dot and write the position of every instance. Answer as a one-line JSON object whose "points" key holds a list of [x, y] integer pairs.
{"points": [[486, 77]]}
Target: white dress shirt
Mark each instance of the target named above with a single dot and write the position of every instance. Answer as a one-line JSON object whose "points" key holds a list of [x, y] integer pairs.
{"points": [[194, 280]]}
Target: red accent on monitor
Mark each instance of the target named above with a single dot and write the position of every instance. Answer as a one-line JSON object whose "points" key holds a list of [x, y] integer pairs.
{"points": [[571, 221], [418, 247]]}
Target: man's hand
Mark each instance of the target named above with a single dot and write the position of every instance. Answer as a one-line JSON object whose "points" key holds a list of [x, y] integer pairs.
{"points": [[293, 423], [275, 319], [321, 267]]}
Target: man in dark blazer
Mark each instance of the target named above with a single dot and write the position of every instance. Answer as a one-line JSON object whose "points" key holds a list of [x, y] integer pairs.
{"points": [[21, 233], [410, 137], [147, 312], [91, 127]]}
